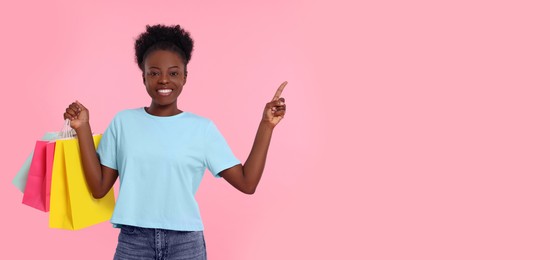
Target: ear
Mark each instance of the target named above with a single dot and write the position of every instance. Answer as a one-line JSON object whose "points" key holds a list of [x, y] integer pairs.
{"points": [[184, 77], [143, 78]]}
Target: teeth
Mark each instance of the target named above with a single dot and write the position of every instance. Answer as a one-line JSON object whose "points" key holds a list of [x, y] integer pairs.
{"points": [[165, 91]]}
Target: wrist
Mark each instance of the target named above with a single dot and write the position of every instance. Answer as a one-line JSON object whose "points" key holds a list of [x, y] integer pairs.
{"points": [[266, 125], [84, 127]]}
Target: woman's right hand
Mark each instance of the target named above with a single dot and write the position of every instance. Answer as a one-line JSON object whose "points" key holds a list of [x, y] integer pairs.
{"points": [[78, 114]]}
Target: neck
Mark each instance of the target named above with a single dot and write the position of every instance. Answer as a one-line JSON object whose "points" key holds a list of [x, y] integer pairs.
{"points": [[160, 110]]}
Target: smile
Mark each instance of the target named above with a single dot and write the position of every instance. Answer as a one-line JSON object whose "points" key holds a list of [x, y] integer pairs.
{"points": [[164, 92]]}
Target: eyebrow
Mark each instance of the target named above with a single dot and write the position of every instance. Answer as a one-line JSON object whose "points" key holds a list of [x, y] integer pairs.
{"points": [[153, 67]]}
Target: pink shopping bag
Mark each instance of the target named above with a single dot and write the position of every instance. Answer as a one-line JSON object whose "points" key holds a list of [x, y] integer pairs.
{"points": [[50, 151], [37, 189]]}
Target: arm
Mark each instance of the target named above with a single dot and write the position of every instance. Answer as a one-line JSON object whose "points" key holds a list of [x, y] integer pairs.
{"points": [[100, 179], [246, 178]]}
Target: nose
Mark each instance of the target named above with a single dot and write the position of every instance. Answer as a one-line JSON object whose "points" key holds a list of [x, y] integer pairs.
{"points": [[163, 79]]}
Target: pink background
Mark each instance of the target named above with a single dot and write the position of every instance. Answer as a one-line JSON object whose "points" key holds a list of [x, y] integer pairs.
{"points": [[415, 129]]}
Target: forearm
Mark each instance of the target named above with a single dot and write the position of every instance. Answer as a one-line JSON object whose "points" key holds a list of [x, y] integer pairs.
{"points": [[246, 177], [255, 163], [90, 161]]}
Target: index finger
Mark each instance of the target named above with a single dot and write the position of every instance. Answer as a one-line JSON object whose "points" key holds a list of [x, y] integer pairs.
{"points": [[279, 91]]}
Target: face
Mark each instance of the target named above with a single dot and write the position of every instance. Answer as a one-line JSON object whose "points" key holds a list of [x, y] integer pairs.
{"points": [[164, 77]]}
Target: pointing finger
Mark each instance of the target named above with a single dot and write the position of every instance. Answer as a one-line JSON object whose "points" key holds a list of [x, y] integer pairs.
{"points": [[279, 91]]}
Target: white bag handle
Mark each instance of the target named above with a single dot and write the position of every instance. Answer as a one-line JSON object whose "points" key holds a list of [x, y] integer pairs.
{"points": [[67, 131]]}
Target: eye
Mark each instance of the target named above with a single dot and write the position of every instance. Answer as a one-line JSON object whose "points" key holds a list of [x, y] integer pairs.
{"points": [[174, 73], [152, 73]]}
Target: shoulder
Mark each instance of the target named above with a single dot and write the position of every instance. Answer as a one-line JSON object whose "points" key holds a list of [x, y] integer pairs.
{"points": [[200, 123], [125, 116], [129, 113], [197, 119]]}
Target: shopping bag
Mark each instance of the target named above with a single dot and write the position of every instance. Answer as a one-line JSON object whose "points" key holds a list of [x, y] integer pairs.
{"points": [[50, 151], [37, 188], [72, 205], [20, 179]]}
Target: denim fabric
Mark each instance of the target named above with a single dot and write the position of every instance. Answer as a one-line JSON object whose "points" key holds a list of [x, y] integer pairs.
{"points": [[136, 243]]}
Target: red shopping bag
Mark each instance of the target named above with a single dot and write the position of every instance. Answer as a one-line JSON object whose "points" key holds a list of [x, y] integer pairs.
{"points": [[38, 187]]}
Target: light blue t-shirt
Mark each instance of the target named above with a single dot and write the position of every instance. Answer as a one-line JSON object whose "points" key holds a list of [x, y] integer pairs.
{"points": [[161, 162]]}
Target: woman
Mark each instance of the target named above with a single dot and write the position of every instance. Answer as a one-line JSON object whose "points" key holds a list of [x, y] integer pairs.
{"points": [[161, 152]]}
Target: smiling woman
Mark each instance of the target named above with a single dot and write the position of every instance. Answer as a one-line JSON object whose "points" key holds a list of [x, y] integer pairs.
{"points": [[162, 54], [161, 153], [164, 79]]}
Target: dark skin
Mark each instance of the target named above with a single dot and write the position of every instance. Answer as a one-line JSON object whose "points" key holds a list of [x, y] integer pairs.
{"points": [[164, 76]]}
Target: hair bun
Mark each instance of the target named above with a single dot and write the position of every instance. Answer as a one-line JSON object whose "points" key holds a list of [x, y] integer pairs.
{"points": [[163, 37]]}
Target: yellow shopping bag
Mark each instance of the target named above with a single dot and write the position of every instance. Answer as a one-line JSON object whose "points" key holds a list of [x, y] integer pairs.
{"points": [[72, 205]]}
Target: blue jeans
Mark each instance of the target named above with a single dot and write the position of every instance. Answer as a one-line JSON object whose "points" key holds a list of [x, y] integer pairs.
{"points": [[136, 243]]}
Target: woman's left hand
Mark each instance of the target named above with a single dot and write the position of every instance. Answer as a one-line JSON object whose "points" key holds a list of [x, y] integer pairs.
{"points": [[275, 110]]}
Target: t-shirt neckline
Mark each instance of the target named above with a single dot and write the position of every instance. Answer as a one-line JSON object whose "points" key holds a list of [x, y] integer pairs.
{"points": [[162, 117]]}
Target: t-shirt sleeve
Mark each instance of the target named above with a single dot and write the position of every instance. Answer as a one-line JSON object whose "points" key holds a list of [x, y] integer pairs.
{"points": [[218, 154], [107, 147]]}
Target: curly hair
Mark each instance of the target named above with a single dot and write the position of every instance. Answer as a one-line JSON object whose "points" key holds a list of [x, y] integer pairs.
{"points": [[161, 37]]}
